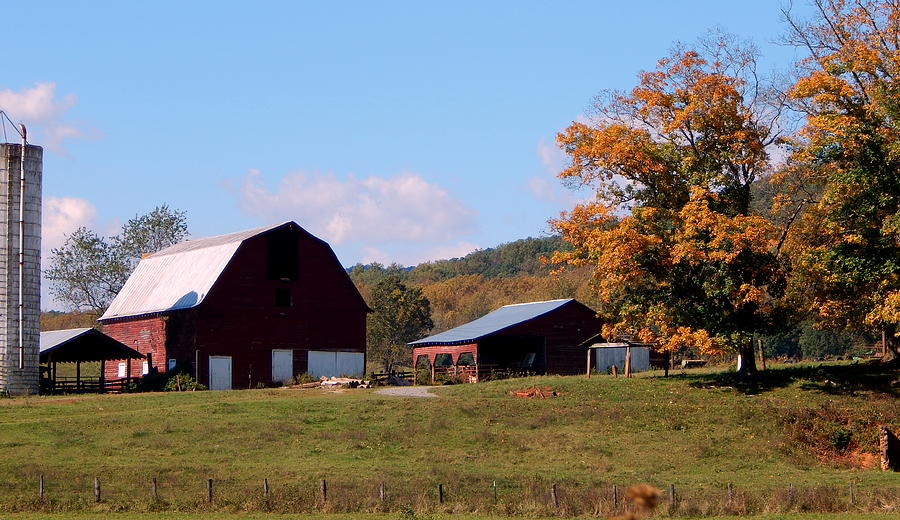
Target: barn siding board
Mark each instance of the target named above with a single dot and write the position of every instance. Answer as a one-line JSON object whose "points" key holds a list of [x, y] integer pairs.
{"points": [[239, 318]]}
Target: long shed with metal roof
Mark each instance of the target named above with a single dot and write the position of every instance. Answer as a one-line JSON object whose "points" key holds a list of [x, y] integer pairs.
{"points": [[83, 345], [536, 337], [242, 309]]}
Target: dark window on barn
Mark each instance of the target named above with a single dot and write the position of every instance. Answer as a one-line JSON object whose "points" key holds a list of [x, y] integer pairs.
{"points": [[283, 297], [282, 257]]}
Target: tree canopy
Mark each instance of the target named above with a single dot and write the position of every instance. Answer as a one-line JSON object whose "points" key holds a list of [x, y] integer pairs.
{"points": [[846, 248], [400, 314], [88, 270], [677, 256]]}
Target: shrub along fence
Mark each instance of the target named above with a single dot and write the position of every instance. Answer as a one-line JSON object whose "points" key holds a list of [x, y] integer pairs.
{"points": [[110, 491]]}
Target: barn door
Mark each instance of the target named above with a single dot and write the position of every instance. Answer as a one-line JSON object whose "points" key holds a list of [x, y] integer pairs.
{"points": [[220, 372], [282, 365], [323, 363]]}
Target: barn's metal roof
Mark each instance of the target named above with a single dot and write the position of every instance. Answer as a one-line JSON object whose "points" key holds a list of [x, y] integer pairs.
{"points": [[493, 322], [180, 276], [86, 344]]}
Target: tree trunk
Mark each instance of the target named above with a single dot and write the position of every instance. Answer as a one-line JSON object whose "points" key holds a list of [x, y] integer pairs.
{"points": [[746, 364], [891, 345]]}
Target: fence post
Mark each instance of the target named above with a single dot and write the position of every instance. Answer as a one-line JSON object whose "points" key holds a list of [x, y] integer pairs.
{"points": [[615, 498], [440, 493], [494, 487], [154, 489], [266, 488], [791, 493], [553, 496], [209, 491], [96, 489], [729, 491], [41, 488], [852, 496], [381, 491], [324, 489], [672, 500]]}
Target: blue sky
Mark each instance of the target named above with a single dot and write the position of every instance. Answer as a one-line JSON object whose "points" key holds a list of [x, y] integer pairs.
{"points": [[397, 131]]}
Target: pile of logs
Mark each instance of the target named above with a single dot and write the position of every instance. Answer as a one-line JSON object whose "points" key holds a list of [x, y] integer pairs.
{"points": [[534, 392]]}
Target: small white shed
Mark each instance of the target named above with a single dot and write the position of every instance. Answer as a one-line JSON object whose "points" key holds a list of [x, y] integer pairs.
{"points": [[609, 354]]}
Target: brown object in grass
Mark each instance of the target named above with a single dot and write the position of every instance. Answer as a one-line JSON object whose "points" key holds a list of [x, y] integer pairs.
{"points": [[534, 392], [643, 496], [889, 443]]}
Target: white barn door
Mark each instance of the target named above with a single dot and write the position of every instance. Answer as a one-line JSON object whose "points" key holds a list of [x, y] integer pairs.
{"points": [[282, 365], [321, 363], [220, 372]]}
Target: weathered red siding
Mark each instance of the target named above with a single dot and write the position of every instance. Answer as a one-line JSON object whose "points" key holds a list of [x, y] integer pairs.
{"points": [[564, 329], [453, 350], [560, 333], [238, 317], [145, 335]]}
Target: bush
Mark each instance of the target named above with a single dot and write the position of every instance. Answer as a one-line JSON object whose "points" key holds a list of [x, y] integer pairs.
{"points": [[301, 379], [182, 382]]}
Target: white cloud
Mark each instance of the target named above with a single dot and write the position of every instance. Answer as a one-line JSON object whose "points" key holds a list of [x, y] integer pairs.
{"points": [[42, 113], [60, 217], [444, 252], [369, 255], [370, 210], [552, 158], [547, 187]]}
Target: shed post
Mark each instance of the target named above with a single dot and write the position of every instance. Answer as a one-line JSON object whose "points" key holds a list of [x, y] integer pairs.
{"points": [[102, 376], [628, 361], [78, 375], [128, 370], [589, 362]]}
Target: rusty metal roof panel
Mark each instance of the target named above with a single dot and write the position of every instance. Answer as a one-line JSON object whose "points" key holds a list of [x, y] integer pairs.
{"points": [[178, 277], [493, 322]]}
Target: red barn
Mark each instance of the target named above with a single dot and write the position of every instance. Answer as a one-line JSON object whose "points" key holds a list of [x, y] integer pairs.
{"points": [[257, 306], [537, 337]]}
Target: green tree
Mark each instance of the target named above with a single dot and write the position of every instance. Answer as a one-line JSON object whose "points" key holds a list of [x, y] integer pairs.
{"points": [[152, 232], [401, 314], [88, 270]]}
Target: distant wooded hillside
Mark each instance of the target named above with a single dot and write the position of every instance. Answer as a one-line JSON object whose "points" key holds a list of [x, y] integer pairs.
{"points": [[462, 289]]}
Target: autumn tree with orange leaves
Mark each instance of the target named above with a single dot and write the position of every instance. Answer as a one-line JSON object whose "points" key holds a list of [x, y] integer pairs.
{"points": [[678, 258], [846, 245]]}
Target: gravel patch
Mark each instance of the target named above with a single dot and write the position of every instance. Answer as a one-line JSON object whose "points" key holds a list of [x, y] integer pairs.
{"points": [[407, 391]]}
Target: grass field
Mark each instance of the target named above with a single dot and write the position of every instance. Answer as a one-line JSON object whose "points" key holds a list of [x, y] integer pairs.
{"points": [[812, 427], [401, 516]]}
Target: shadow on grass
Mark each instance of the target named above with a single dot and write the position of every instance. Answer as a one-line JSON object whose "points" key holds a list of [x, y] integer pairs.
{"points": [[835, 379]]}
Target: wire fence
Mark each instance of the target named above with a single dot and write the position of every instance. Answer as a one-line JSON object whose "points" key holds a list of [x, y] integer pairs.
{"points": [[528, 497]]}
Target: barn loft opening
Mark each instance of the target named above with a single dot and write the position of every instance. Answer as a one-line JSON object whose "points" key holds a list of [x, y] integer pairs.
{"points": [[282, 255]]}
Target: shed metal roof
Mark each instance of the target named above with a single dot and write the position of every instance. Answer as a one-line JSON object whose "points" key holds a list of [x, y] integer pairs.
{"points": [[493, 322], [83, 345], [180, 276]]}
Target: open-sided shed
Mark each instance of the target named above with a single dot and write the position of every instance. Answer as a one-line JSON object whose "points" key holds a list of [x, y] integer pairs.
{"points": [[79, 346], [537, 337]]}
